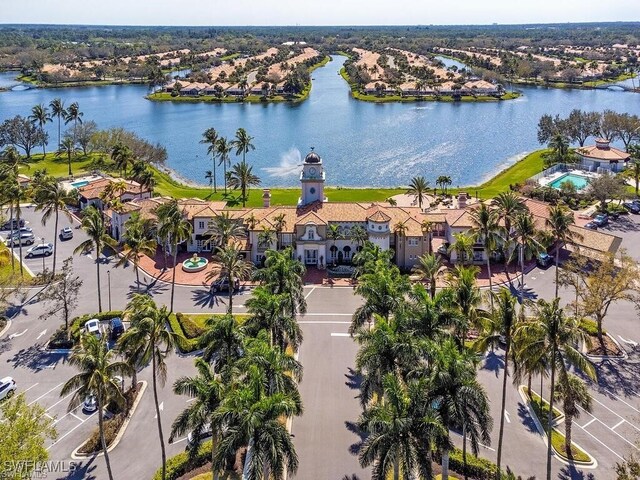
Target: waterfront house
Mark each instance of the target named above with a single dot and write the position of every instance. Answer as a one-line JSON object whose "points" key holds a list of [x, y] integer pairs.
{"points": [[93, 193], [193, 89], [481, 87], [602, 155]]}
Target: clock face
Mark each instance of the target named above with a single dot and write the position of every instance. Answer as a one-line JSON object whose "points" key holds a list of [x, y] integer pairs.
{"points": [[312, 171]]}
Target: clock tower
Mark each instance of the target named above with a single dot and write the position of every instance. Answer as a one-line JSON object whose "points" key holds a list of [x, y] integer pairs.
{"points": [[312, 180]]}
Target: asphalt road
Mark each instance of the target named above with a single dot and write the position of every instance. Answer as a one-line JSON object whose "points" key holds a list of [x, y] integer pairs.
{"points": [[323, 435]]}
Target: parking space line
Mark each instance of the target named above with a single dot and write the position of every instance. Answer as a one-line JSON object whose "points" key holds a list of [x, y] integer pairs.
{"points": [[47, 393], [333, 334], [178, 441], [616, 433], [307, 295], [25, 391], [617, 397], [618, 424], [74, 415], [588, 423], [61, 400], [47, 415], [70, 431], [617, 414], [601, 443]]}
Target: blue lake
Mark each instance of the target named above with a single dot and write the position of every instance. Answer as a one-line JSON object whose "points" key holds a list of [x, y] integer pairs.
{"points": [[362, 144]]}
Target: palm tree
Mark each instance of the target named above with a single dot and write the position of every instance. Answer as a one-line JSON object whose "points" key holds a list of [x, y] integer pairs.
{"points": [[266, 237], [166, 213], [431, 318], [467, 299], [223, 148], [122, 155], [177, 229], [427, 229], [401, 431], [222, 341], [574, 395], [233, 267], [223, 230], [463, 246], [137, 242], [418, 188], [279, 224], [459, 398], [241, 177], [334, 232], [97, 377], [560, 223], [242, 143], [502, 323], [400, 231], [94, 227], [427, 269], [486, 231], [210, 137], [68, 148], [508, 205], [58, 110], [52, 198], [207, 391], [358, 235], [154, 342], [209, 176], [10, 168], [40, 115], [558, 335], [73, 115], [634, 151], [526, 236]]}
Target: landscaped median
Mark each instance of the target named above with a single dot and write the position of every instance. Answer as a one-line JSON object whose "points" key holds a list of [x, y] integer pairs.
{"points": [[539, 411], [191, 326], [63, 340]]}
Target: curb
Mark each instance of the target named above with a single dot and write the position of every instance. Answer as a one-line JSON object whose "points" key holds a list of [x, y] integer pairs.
{"points": [[6, 327], [606, 357], [78, 456], [587, 465]]}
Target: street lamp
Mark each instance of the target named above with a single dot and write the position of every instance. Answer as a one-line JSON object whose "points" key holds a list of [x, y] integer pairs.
{"points": [[43, 255], [109, 286]]}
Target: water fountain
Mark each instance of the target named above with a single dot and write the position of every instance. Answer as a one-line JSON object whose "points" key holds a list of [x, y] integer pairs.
{"points": [[195, 264]]}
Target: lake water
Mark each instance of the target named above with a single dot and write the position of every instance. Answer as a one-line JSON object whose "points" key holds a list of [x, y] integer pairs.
{"points": [[361, 143]]}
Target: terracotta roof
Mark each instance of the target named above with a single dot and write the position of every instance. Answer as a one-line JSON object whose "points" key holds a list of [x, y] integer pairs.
{"points": [[596, 241], [94, 189], [379, 216], [610, 154], [211, 210], [311, 217]]}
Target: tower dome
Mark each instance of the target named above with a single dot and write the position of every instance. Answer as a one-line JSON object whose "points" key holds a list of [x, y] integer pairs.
{"points": [[312, 157]]}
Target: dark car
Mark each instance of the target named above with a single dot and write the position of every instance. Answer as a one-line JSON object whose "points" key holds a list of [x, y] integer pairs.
{"points": [[222, 285], [601, 220], [16, 224], [591, 226], [631, 207], [544, 260], [116, 328]]}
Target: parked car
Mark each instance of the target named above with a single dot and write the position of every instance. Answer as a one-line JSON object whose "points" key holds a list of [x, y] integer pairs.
{"points": [[16, 224], [591, 226], [66, 233], [443, 250], [544, 259], [25, 238], [222, 285], [7, 387], [632, 207], [191, 437], [601, 220], [24, 230], [93, 327], [90, 404], [45, 249], [116, 328]]}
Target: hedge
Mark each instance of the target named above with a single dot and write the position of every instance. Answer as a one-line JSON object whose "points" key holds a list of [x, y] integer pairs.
{"points": [[190, 328], [187, 345], [477, 468], [182, 463], [590, 327]]}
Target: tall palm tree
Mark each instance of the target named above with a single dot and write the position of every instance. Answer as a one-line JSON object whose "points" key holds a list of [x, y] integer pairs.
{"points": [[560, 223], [177, 229], [358, 235], [73, 115], [574, 395], [165, 214], [279, 224], [51, 198], [463, 246], [242, 143], [241, 177], [122, 155], [557, 335], [233, 267], [208, 175], [12, 161], [40, 116], [210, 138], [154, 342], [401, 432], [266, 237], [94, 227], [502, 323], [459, 398], [486, 230], [508, 205], [334, 233], [400, 231], [634, 171], [58, 110], [137, 242], [418, 188], [67, 147], [430, 318], [466, 297], [223, 230], [427, 269], [284, 275], [427, 229], [223, 149], [97, 377], [526, 236], [207, 391], [222, 341]]}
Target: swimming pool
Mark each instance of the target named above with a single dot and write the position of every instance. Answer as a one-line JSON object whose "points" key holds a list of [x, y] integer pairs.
{"points": [[80, 184], [579, 181]]}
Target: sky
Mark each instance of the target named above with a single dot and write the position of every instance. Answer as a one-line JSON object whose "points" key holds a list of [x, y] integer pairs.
{"points": [[318, 12]]}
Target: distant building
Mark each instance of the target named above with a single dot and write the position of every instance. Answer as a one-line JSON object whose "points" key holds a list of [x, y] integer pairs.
{"points": [[602, 155]]}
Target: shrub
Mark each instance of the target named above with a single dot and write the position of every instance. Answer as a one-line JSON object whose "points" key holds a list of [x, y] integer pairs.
{"points": [[190, 328], [3, 322], [111, 429], [478, 468], [60, 340], [180, 464], [590, 327]]}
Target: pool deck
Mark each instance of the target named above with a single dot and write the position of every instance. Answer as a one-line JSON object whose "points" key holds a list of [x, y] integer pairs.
{"points": [[68, 184], [548, 180]]}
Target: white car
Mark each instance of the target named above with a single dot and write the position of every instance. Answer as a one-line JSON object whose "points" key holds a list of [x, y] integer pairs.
{"points": [[90, 404], [93, 327], [24, 238], [66, 233], [7, 387], [45, 249]]}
